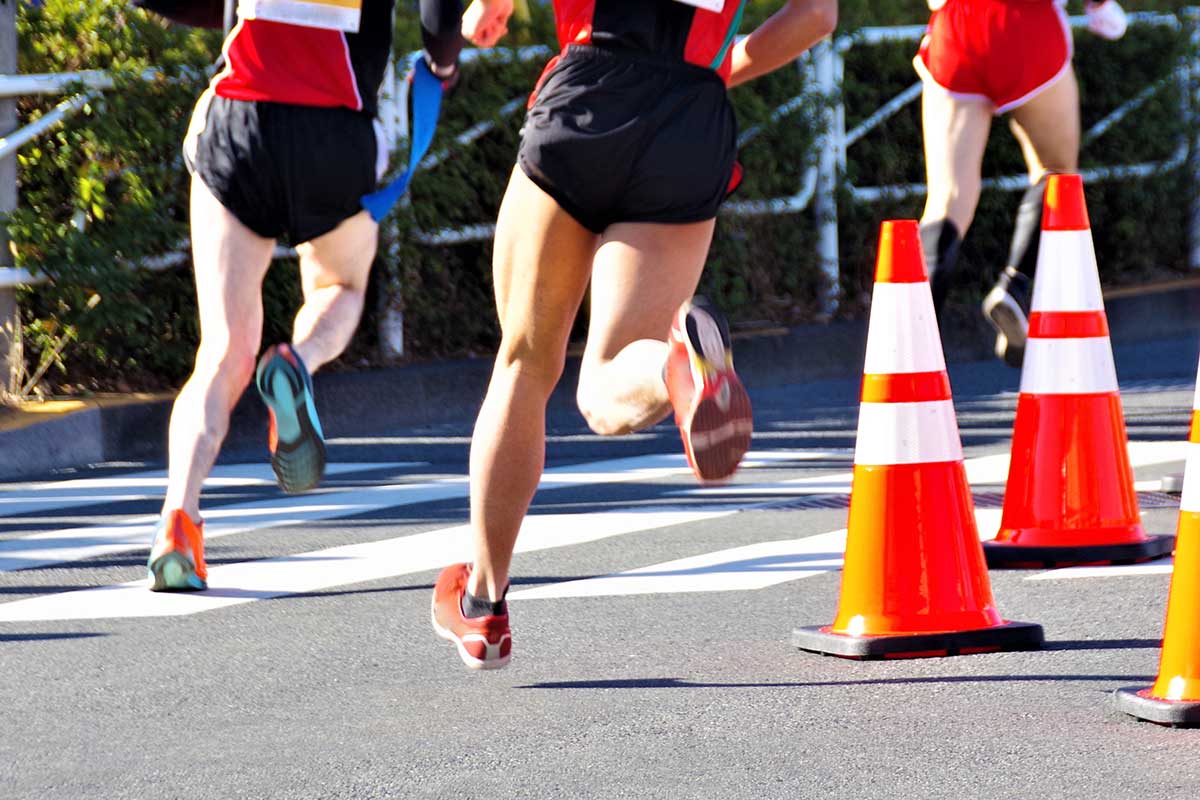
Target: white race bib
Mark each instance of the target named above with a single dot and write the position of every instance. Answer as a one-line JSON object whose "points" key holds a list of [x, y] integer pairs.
{"points": [[708, 5], [334, 15]]}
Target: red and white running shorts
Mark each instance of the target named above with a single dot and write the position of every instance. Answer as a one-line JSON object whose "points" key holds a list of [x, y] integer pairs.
{"points": [[1004, 52]]}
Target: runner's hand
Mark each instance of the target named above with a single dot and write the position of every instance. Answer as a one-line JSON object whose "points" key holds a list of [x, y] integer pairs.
{"points": [[1106, 19], [486, 21]]}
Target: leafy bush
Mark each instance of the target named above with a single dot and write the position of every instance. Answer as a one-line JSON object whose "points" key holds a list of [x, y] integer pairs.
{"points": [[120, 172]]}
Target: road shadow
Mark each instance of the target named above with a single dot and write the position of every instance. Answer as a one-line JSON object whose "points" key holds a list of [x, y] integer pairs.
{"points": [[677, 683], [46, 637], [1103, 644]]}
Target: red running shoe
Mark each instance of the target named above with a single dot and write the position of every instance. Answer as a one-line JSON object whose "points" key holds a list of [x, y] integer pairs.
{"points": [[712, 408], [482, 642]]}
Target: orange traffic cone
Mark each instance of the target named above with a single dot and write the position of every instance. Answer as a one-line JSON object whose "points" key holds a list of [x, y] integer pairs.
{"points": [[914, 582], [1070, 496], [1174, 699]]}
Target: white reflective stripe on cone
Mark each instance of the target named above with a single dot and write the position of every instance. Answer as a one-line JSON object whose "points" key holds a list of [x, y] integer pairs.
{"points": [[1068, 366], [902, 335], [1067, 278], [1190, 500], [907, 433]]}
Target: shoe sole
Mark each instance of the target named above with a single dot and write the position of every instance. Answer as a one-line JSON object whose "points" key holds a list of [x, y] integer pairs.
{"points": [[718, 431], [172, 572], [471, 661], [1010, 322], [717, 435], [299, 457]]}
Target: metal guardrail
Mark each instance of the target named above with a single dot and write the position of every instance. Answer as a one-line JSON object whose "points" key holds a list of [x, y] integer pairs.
{"points": [[819, 181]]}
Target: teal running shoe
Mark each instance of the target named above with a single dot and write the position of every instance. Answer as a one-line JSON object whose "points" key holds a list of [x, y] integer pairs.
{"points": [[295, 438]]}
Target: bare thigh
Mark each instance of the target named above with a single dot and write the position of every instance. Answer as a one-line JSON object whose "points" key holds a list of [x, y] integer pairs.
{"points": [[540, 267], [641, 274], [230, 261], [341, 257], [1047, 128], [955, 135]]}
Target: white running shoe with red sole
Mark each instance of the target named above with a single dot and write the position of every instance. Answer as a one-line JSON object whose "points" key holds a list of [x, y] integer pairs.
{"points": [[711, 406]]}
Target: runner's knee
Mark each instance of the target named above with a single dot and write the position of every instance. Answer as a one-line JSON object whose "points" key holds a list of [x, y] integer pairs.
{"points": [[541, 367], [592, 404], [230, 363]]}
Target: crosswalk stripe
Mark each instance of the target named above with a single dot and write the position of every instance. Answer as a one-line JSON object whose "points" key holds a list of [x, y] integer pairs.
{"points": [[34, 498], [349, 564], [1163, 566], [754, 566], [75, 544], [303, 573]]}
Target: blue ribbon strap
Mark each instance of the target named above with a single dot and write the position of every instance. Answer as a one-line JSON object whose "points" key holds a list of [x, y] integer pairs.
{"points": [[426, 104]]}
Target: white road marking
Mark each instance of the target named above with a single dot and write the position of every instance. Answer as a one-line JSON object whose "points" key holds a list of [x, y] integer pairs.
{"points": [[981, 471], [754, 566], [304, 573], [75, 544], [1162, 566], [33, 498], [248, 581]]}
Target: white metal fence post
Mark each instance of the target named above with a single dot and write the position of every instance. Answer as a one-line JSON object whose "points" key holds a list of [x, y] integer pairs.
{"points": [[10, 318], [827, 67], [1191, 106]]}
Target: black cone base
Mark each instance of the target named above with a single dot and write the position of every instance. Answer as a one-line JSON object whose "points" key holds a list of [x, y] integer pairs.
{"points": [[1009, 636], [1180, 713], [1015, 556]]}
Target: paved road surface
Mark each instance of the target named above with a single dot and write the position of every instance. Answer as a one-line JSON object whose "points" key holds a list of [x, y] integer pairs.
{"points": [[651, 620]]}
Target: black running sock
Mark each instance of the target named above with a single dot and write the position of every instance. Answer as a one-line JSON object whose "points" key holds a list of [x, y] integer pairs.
{"points": [[474, 607], [940, 242], [1027, 232]]}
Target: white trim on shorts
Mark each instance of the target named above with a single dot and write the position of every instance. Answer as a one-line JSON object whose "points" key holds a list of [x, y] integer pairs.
{"points": [[970, 97], [1066, 27], [931, 83]]}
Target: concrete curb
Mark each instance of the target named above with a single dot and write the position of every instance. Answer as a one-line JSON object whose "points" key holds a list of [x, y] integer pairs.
{"points": [[371, 402]]}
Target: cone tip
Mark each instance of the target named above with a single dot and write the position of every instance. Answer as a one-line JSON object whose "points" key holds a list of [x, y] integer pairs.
{"points": [[1064, 207], [900, 257]]}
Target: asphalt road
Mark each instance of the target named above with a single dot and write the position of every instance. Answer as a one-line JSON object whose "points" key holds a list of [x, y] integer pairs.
{"points": [[651, 627]]}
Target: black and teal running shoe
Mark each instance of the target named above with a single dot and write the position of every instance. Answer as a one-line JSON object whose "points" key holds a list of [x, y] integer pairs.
{"points": [[295, 437]]}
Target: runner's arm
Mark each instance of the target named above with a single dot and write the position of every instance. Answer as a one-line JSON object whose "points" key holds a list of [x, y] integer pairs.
{"points": [[441, 35], [781, 39]]}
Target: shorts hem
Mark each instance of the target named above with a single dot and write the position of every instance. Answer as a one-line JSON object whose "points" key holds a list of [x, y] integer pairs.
{"points": [[197, 173], [931, 82], [558, 197], [1062, 71]]}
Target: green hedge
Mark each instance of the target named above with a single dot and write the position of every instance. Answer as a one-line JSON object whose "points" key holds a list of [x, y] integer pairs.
{"points": [[121, 168]]}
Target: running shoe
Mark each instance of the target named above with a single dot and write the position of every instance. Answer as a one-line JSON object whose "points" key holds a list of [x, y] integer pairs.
{"points": [[482, 642], [1006, 307], [712, 408], [294, 434], [176, 562]]}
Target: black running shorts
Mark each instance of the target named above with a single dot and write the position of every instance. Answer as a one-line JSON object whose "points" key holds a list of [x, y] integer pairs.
{"points": [[619, 136], [285, 171]]}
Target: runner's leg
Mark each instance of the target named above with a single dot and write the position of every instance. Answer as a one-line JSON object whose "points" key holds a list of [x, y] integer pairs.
{"points": [[541, 264], [955, 134], [334, 269], [1047, 128], [230, 262], [641, 275]]}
